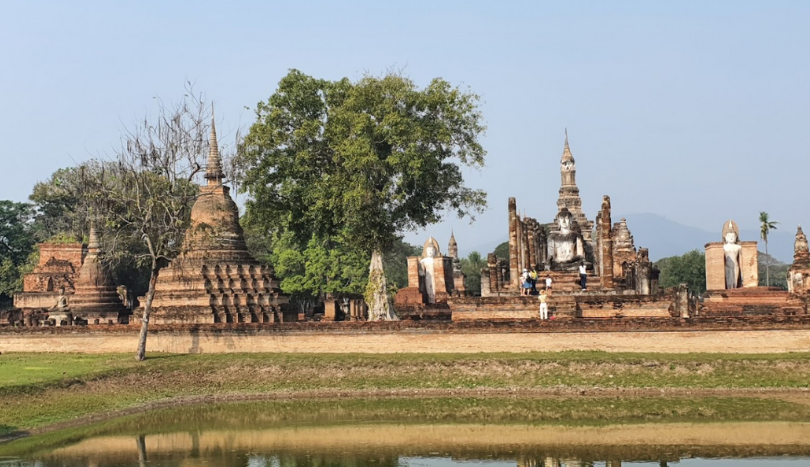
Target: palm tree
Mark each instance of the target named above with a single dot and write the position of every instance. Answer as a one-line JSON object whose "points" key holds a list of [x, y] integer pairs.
{"points": [[765, 226]]}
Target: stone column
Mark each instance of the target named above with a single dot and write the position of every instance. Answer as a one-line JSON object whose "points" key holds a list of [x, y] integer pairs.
{"points": [[492, 266], [642, 272], [715, 266], [524, 243], [532, 242], [329, 310], [605, 242], [485, 281], [514, 274], [682, 301]]}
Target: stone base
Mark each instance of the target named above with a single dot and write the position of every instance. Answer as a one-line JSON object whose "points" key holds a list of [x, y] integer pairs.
{"points": [[211, 315], [751, 301], [409, 296], [34, 300], [562, 305]]}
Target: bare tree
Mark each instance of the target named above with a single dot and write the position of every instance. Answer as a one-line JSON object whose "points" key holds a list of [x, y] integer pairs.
{"points": [[147, 192]]}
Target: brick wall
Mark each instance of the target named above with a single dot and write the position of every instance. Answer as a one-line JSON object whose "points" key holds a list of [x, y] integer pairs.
{"points": [[721, 334]]}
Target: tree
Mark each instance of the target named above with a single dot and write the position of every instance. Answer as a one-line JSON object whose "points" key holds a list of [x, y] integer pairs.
{"points": [[16, 244], [689, 268], [502, 251], [367, 160], [146, 194], [471, 267], [60, 202], [765, 227]]}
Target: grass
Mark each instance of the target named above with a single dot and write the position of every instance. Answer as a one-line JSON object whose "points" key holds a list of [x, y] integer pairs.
{"points": [[37, 390]]}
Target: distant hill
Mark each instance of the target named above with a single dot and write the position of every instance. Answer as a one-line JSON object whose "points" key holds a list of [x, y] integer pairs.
{"points": [[665, 237]]}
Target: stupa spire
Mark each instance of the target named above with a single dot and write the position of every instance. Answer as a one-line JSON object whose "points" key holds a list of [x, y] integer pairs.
{"points": [[567, 156], [213, 171]]}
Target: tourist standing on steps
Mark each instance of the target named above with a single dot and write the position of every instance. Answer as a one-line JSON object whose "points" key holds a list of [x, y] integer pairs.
{"points": [[533, 277], [548, 285], [543, 305], [525, 282], [583, 277]]}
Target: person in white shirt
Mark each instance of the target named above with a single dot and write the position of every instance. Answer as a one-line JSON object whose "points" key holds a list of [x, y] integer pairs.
{"points": [[583, 276], [525, 282], [548, 284], [543, 305]]}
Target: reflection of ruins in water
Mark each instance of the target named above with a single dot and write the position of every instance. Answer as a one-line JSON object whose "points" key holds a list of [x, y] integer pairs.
{"points": [[437, 445]]}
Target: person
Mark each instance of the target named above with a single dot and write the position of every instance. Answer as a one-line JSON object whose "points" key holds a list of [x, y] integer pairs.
{"points": [[543, 305], [533, 277], [548, 285], [583, 277], [526, 282]]}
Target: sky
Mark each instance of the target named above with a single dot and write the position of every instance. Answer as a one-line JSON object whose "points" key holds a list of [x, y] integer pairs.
{"points": [[693, 110]]}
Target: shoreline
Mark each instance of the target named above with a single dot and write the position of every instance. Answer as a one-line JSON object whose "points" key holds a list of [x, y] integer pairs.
{"points": [[798, 395]]}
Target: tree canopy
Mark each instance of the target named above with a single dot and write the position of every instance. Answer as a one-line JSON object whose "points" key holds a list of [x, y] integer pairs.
{"points": [[16, 244], [689, 268], [363, 161]]}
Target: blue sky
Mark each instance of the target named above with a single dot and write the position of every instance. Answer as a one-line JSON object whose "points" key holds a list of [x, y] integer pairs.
{"points": [[698, 111]]}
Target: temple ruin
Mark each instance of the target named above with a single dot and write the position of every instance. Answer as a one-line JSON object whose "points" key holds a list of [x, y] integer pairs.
{"points": [[432, 277], [71, 285], [215, 279], [732, 279]]}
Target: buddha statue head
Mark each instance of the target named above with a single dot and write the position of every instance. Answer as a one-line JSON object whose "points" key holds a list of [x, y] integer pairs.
{"points": [[564, 220], [731, 232], [431, 248]]}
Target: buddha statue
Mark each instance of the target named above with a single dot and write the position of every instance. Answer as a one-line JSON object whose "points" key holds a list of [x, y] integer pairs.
{"points": [[565, 247], [61, 310], [427, 283], [733, 255]]}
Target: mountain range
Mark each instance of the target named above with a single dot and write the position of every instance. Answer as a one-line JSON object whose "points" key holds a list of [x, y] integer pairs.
{"points": [[665, 237]]}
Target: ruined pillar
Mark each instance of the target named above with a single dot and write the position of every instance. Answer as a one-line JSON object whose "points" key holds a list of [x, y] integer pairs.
{"points": [[682, 301], [513, 245], [605, 244], [532, 242], [524, 246], [642, 272], [492, 267]]}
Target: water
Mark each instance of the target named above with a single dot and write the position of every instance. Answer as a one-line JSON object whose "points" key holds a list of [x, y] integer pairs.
{"points": [[403, 434]]}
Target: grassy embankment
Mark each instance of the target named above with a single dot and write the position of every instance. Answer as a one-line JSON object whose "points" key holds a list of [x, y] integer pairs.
{"points": [[38, 390]]}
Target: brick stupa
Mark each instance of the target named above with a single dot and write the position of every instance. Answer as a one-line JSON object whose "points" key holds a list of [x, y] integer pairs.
{"points": [[215, 279], [96, 299]]}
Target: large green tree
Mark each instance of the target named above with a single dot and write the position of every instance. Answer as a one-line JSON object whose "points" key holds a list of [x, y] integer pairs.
{"points": [[471, 267], [689, 268], [765, 227], [61, 204], [367, 160], [16, 244]]}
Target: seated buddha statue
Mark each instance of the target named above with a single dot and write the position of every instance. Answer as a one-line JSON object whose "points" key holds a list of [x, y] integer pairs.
{"points": [[565, 247]]}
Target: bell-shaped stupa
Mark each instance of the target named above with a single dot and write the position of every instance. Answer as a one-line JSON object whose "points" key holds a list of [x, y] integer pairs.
{"points": [[96, 299], [215, 279]]}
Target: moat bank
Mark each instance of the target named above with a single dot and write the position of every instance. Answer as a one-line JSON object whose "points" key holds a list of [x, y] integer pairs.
{"points": [[41, 390]]}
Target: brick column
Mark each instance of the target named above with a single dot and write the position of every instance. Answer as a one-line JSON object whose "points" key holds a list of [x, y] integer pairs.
{"points": [[514, 274], [605, 245]]}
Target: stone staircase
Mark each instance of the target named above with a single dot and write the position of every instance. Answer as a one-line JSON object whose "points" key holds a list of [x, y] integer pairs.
{"points": [[562, 305], [751, 301]]}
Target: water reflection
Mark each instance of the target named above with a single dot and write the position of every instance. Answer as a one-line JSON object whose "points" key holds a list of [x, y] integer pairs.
{"points": [[431, 433], [436, 445]]}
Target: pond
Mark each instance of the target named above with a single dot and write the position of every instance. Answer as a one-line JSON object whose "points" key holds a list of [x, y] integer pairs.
{"points": [[414, 433]]}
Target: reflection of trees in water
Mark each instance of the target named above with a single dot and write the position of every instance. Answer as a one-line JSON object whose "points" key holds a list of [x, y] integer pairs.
{"points": [[321, 460]]}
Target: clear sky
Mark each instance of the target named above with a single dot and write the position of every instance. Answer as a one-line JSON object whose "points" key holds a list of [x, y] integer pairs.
{"points": [[695, 110]]}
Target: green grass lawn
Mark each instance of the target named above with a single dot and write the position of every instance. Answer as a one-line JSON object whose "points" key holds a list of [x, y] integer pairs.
{"points": [[41, 389]]}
